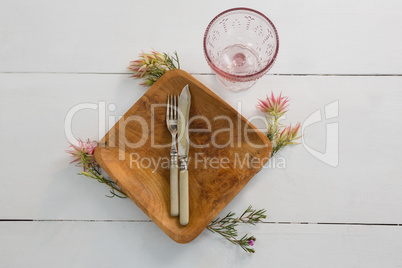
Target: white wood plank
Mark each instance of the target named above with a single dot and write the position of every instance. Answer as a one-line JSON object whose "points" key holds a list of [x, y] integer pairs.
{"points": [[38, 183], [366, 184], [122, 244], [316, 37]]}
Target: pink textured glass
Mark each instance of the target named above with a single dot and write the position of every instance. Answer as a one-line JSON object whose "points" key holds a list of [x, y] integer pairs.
{"points": [[240, 45]]}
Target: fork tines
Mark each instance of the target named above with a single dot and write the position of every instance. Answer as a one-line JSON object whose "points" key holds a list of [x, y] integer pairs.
{"points": [[171, 108]]}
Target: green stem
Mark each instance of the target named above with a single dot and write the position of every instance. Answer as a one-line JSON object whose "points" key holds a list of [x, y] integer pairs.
{"points": [[101, 179], [94, 173], [226, 226]]}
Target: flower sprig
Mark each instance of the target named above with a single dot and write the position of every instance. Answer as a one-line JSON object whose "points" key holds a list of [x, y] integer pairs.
{"points": [[274, 108], [83, 156], [226, 227], [152, 66]]}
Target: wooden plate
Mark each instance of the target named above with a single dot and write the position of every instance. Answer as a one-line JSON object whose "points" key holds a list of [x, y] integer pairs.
{"points": [[135, 153]]}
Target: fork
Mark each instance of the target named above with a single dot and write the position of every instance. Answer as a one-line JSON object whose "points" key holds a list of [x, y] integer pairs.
{"points": [[171, 121]]}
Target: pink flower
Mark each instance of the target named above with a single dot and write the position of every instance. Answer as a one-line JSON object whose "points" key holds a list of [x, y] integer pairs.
{"points": [[289, 134], [274, 106], [251, 241], [159, 56], [150, 56], [147, 57], [293, 132], [137, 63], [284, 136], [152, 66], [143, 69], [84, 149]]}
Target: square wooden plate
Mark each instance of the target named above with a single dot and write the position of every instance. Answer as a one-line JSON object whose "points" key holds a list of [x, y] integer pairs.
{"points": [[225, 153]]}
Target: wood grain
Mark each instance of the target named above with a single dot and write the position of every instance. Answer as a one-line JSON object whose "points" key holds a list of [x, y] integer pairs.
{"points": [[217, 172]]}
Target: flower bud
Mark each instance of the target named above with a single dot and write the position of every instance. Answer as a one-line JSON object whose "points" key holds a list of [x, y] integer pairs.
{"points": [[159, 56]]}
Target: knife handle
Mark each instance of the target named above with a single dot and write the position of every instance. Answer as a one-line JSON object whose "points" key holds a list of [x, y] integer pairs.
{"points": [[184, 208], [174, 190]]}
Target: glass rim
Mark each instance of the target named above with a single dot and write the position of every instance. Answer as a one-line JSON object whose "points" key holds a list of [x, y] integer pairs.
{"points": [[250, 76]]}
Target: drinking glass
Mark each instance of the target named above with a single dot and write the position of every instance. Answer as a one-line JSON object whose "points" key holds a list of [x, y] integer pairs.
{"points": [[240, 45]]}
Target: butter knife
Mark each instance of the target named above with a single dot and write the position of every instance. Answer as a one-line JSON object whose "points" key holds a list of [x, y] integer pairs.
{"points": [[183, 145]]}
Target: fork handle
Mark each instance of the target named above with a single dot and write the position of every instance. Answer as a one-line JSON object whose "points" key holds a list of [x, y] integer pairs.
{"points": [[184, 206], [174, 190]]}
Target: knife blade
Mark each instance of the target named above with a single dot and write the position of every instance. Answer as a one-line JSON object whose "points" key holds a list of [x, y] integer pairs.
{"points": [[184, 145]]}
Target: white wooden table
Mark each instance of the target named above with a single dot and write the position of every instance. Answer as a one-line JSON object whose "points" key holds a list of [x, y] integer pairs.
{"points": [[57, 54]]}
